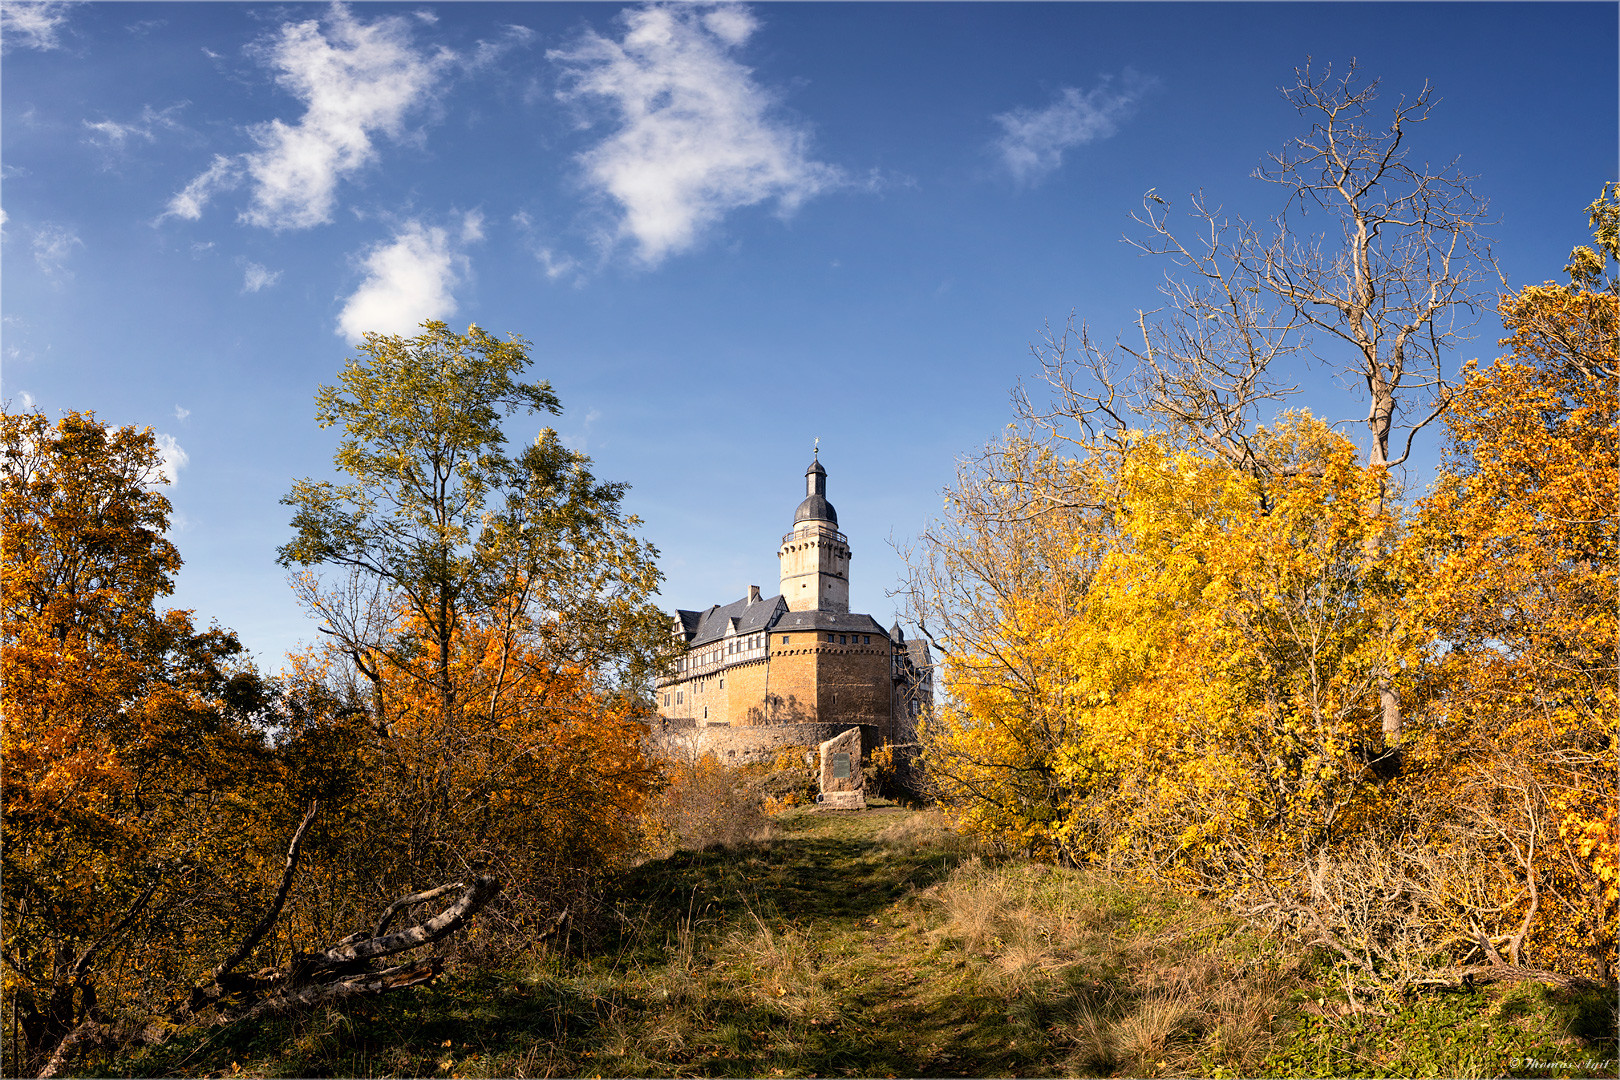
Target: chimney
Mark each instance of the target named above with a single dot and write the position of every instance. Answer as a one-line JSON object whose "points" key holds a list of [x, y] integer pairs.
{"points": [[753, 594]]}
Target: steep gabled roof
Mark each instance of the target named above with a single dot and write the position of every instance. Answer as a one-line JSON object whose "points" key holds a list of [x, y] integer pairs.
{"points": [[687, 621], [742, 616]]}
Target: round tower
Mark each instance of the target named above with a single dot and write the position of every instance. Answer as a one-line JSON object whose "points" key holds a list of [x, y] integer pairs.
{"points": [[815, 555]]}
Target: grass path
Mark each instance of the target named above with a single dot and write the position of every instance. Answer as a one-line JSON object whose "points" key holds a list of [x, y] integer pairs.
{"points": [[874, 944]]}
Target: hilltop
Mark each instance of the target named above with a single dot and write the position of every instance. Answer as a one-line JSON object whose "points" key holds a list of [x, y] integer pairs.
{"points": [[878, 944]]}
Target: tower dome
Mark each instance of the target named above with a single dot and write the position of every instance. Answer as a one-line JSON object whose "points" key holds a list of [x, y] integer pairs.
{"points": [[815, 506]]}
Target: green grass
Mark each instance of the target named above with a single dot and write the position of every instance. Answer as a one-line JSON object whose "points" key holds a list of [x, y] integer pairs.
{"points": [[876, 944]]}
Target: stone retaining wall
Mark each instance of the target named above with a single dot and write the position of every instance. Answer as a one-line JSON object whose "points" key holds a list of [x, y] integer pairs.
{"points": [[748, 745]]}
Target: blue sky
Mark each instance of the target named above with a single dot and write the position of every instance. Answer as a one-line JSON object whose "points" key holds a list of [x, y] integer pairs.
{"points": [[728, 231]]}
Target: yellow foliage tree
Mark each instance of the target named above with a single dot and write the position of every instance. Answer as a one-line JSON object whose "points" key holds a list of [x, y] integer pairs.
{"points": [[1193, 676], [1180, 665]]}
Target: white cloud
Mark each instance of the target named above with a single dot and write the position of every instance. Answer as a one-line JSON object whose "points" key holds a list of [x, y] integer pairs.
{"points": [[112, 135], [256, 277], [32, 25], [357, 80], [181, 412], [223, 174], [696, 137], [26, 400], [53, 246], [409, 279], [556, 264], [1033, 140], [171, 459]]}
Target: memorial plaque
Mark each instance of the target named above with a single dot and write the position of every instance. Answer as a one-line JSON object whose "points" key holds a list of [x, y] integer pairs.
{"points": [[842, 783]]}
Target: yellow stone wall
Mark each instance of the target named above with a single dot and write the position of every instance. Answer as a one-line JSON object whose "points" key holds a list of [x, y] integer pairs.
{"points": [[808, 680]]}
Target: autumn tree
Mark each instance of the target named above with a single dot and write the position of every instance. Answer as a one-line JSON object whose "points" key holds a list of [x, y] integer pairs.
{"points": [[1174, 662], [1516, 559], [129, 735], [495, 607]]}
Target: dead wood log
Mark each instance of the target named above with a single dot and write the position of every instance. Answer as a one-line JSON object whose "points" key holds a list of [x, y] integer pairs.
{"points": [[342, 970], [375, 982], [256, 935], [1450, 978], [87, 1032], [473, 898], [345, 970]]}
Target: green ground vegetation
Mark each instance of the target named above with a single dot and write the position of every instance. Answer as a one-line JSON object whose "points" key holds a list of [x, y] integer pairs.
{"points": [[879, 944]]}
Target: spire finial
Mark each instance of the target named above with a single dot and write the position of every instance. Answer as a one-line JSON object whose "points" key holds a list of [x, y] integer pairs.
{"points": [[816, 453]]}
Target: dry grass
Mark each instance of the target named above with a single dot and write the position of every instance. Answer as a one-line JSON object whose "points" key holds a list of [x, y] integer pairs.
{"points": [[1150, 984], [871, 945]]}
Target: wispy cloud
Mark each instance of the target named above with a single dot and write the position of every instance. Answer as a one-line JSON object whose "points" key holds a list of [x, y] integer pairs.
{"points": [[32, 25], [696, 136], [357, 80], [409, 278], [113, 136], [488, 53], [53, 246], [181, 412], [1033, 141], [256, 277], [222, 175]]}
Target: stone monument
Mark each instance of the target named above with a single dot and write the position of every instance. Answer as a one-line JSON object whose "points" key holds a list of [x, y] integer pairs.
{"points": [[843, 785]]}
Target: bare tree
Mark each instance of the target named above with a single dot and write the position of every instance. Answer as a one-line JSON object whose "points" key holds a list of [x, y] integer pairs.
{"points": [[1377, 294]]}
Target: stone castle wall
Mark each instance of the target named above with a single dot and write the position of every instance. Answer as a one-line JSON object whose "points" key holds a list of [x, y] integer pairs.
{"points": [[751, 745]]}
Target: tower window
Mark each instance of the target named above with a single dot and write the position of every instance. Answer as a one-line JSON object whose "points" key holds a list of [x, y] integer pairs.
{"points": [[784, 639], [722, 684]]}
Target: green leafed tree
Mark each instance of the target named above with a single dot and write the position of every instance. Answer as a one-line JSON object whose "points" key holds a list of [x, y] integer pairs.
{"points": [[439, 526]]}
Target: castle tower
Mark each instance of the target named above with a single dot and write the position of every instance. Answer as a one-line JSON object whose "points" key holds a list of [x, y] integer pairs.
{"points": [[815, 555]]}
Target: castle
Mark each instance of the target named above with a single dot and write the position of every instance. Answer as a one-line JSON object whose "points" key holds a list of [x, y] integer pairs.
{"points": [[790, 668]]}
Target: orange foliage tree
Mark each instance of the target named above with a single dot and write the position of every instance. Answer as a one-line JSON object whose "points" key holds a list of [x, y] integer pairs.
{"points": [[1518, 554], [130, 737]]}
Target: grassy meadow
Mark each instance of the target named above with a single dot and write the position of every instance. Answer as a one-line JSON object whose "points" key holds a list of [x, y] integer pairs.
{"points": [[879, 944]]}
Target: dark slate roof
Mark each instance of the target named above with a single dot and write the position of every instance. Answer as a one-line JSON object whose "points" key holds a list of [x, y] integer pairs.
{"points": [[828, 620], [815, 508], [688, 620], [751, 618]]}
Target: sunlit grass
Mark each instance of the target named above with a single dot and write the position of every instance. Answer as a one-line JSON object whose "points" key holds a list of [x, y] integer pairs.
{"points": [[876, 944]]}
